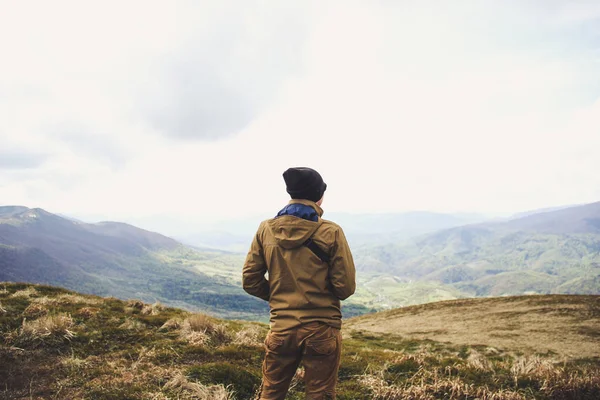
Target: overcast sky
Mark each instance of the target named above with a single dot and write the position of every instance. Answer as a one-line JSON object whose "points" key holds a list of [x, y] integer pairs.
{"points": [[126, 110]]}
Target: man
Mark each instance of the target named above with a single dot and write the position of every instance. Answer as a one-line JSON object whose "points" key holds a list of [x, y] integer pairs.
{"points": [[310, 269]]}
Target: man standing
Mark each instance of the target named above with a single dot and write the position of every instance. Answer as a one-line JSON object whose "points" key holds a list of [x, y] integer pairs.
{"points": [[310, 269]]}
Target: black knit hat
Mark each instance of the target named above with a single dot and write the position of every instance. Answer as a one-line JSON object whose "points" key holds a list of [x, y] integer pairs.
{"points": [[304, 183]]}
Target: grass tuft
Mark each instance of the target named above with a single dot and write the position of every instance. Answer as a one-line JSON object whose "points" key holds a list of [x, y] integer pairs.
{"points": [[48, 330], [134, 305], [87, 312], [201, 330], [251, 336], [35, 310], [193, 390], [171, 324], [244, 382], [199, 323], [27, 292], [152, 309], [66, 299], [132, 325]]}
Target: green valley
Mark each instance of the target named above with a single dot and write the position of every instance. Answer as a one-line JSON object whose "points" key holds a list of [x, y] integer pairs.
{"points": [[552, 252]]}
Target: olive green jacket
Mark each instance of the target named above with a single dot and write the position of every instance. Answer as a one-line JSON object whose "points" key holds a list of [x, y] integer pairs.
{"points": [[300, 287]]}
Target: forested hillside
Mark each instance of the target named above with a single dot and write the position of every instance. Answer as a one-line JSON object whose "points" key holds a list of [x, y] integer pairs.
{"points": [[550, 252]]}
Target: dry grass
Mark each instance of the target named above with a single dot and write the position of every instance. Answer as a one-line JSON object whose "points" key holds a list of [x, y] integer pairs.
{"points": [[171, 324], [132, 325], [430, 376], [74, 363], [433, 387], [27, 292], [250, 335], [201, 330], [35, 310], [192, 390], [2, 309], [130, 355], [447, 389], [134, 304], [479, 362], [533, 367], [69, 298], [199, 323], [527, 324], [48, 330], [87, 312], [152, 309]]}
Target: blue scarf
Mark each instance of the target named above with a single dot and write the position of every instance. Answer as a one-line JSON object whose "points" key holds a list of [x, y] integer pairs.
{"points": [[300, 211]]}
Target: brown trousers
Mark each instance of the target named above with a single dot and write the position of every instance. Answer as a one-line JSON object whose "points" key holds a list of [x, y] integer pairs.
{"points": [[317, 345]]}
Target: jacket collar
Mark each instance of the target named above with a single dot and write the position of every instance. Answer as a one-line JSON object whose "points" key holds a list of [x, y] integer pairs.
{"points": [[309, 203]]}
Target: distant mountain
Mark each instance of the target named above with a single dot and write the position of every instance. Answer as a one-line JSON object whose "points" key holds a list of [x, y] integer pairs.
{"points": [[117, 259], [549, 252], [360, 229], [540, 210], [219, 240], [364, 229], [578, 219]]}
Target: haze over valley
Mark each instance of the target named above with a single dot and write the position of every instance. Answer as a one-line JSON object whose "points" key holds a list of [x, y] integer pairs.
{"points": [[401, 259]]}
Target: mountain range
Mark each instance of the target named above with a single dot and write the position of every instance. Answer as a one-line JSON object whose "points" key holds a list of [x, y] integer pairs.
{"points": [[548, 252], [402, 259], [116, 259]]}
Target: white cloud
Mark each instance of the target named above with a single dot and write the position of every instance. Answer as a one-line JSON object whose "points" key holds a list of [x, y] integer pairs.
{"points": [[447, 107]]}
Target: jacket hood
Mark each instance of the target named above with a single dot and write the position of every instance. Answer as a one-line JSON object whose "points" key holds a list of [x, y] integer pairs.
{"points": [[291, 231]]}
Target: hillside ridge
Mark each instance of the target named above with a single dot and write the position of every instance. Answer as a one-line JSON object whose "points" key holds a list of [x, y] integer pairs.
{"points": [[120, 260], [60, 344]]}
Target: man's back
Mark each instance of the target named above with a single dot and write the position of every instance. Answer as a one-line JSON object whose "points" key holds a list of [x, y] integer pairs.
{"points": [[302, 288]]}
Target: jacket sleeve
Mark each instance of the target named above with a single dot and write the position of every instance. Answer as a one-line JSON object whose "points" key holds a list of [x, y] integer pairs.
{"points": [[342, 272], [253, 275]]}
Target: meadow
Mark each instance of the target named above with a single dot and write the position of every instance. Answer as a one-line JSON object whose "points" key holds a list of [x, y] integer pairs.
{"points": [[58, 344]]}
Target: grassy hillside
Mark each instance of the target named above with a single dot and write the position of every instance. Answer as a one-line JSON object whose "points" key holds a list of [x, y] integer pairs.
{"points": [[566, 326], [551, 252], [115, 259], [63, 345]]}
